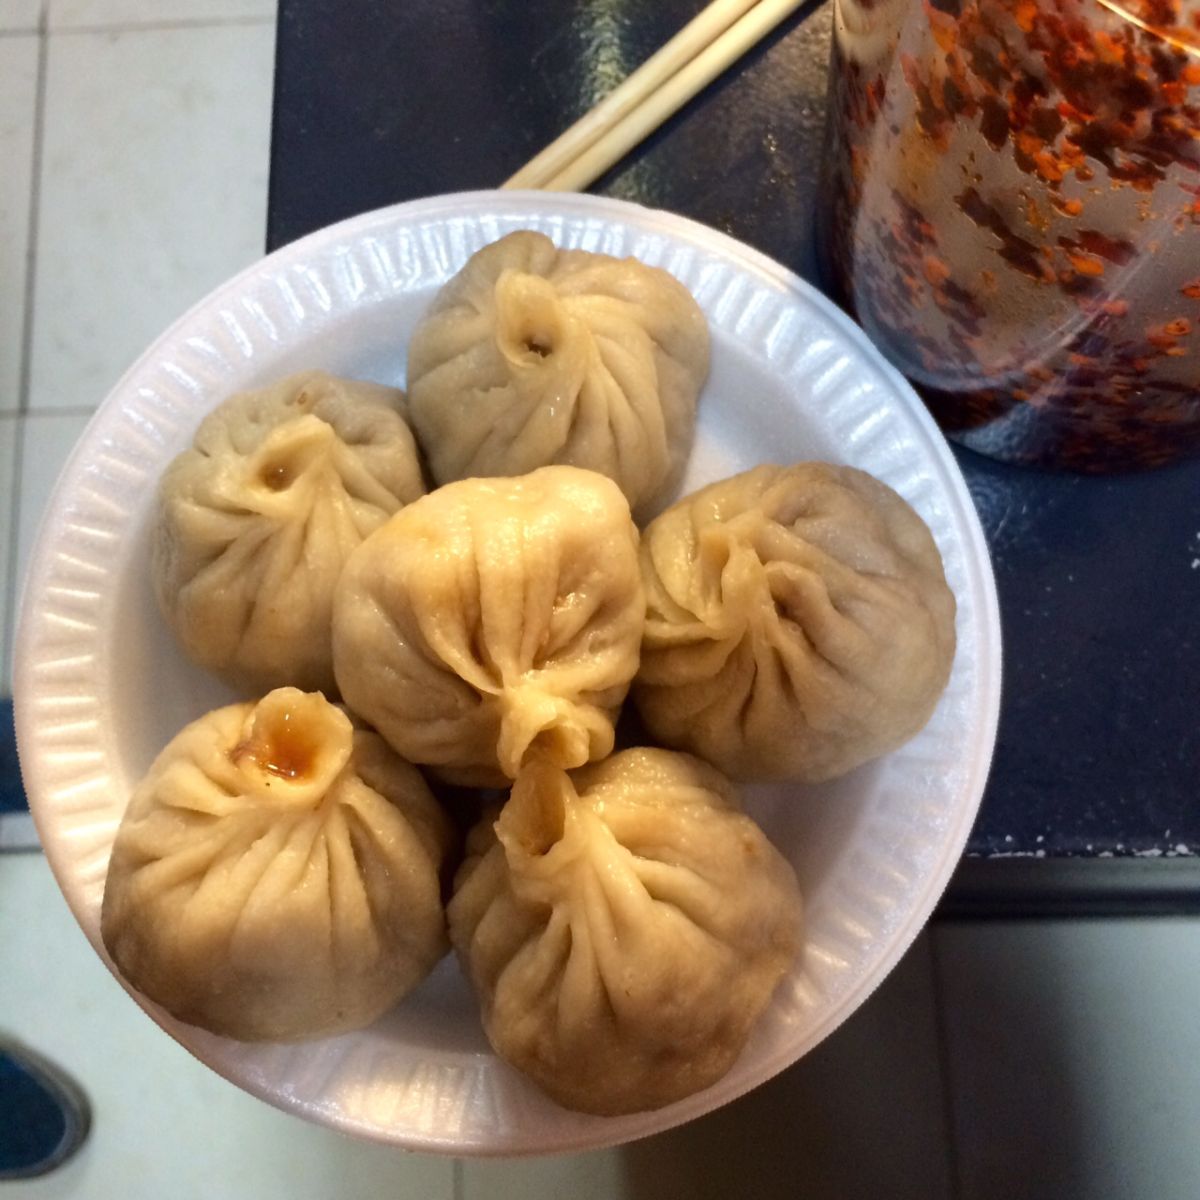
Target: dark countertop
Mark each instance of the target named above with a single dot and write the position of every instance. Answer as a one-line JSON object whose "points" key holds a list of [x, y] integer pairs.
{"points": [[1099, 578]]}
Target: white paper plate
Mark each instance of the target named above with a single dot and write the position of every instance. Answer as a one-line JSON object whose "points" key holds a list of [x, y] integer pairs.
{"points": [[101, 687]]}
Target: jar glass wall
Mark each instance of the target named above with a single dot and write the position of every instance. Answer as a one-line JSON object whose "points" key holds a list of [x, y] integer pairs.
{"points": [[1012, 212]]}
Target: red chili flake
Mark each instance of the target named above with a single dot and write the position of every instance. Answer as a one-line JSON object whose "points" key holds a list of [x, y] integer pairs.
{"points": [[943, 28], [1069, 112], [1116, 250], [1172, 127], [1180, 327], [1048, 167], [1046, 122], [1026, 15], [1037, 219], [1029, 143], [1115, 308], [1108, 49], [1160, 338], [994, 122], [1069, 208], [1023, 254], [1176, 352], [936, 271], [1086, 264], [1192, 290]]}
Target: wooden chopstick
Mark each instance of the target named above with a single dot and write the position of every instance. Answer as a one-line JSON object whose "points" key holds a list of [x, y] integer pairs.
{"points": [[606, 138], [656, 70]]}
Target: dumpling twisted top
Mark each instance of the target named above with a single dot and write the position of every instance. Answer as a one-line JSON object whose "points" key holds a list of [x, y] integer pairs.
{"points": [[256, 520], [276, 874], [798, 622], [533, 355], [624, 925], [494, 620]]}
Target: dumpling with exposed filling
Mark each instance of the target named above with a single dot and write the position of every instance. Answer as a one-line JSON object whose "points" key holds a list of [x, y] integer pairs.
{"points": [[256, 519], [276, 875]]}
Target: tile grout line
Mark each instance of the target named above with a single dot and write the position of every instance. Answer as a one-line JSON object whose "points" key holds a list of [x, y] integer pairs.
{"points": [[24, 384], [945, 1073], [34, 219], [163, 26], [66, 410], [8, 602], [456, 1178]]}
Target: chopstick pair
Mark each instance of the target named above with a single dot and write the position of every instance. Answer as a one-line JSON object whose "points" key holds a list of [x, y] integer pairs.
{"points": [[705, 47]]}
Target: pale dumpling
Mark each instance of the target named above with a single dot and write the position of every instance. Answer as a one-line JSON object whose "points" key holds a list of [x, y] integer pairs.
{"points": [[624, 927], [492, 620], [255, 521], [276, 875], [798, 623], [533, 355]]}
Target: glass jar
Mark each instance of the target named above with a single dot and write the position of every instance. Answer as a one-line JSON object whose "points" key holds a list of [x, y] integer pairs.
{"points": [[1012, 212]]}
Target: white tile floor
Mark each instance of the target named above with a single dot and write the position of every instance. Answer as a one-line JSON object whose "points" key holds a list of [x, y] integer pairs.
{"points": [[1000, 1062], [132, 229], [20, 16], [162, 1124], [1073, 1057], [94, 14]]}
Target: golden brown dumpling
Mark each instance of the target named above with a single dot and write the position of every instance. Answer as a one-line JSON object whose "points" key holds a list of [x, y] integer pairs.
{"points": [[533, 355], [276, 874], [256, 520], [798, 623], [624, 927], [492, 620]]}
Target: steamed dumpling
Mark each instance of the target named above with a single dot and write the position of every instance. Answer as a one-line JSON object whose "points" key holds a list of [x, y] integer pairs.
{"points": [[624, 927], [276, 874], [494, 619], [798, 623], [256, 520], [533, 355]]}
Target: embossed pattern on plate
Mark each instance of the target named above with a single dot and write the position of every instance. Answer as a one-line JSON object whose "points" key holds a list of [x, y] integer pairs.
{"points": [[101, 688]]}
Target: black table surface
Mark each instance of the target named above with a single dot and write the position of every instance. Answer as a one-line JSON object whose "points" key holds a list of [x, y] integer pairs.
{"points": [[1099, 578]]}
